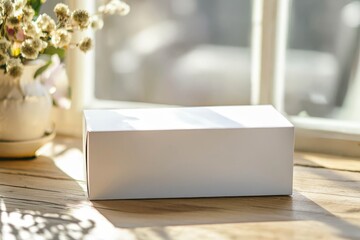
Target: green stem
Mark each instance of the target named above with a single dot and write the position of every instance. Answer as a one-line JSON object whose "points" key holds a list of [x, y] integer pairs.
{"points": [[3, 30]]}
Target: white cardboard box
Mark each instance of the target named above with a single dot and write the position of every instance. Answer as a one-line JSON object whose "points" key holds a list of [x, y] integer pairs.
{"points": [[188, 152]]}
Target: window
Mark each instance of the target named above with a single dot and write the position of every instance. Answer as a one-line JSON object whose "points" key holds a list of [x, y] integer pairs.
{"points": [[322, 80], [301, 56], [189, 52], [322, 59]]}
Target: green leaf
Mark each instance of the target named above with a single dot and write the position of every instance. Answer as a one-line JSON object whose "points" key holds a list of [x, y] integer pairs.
{"points": [[50, 50], [36, 5], [42, 69]]}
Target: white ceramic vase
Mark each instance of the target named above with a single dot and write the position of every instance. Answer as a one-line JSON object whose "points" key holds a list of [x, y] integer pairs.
{"points": [[25, 106]]}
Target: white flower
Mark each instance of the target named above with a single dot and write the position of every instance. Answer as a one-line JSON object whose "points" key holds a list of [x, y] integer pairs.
{"points": [[81, 18], [96, 22], [62, 12], [19, 4], [86, 44], [115, 7], [28, 14], [31, 30], [14, 67], [12, 21], [61, 38], [38, 44], [4, 45], [29, 50], [6, 7], [46, 23]]}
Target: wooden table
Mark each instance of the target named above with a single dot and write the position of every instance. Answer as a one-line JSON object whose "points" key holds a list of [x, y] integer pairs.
{"points": [[46, 198]]}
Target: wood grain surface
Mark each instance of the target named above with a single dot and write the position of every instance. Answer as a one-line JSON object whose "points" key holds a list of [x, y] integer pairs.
{"points": [[45, 198]]}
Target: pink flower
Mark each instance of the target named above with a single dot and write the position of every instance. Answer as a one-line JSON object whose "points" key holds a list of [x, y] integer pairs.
{"points": [[17, 34], [20, 36], [10, 31]]}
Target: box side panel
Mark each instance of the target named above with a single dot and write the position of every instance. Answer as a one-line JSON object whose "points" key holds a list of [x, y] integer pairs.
{"points": [[291, 138], [86, 163], [193, 163], [84, 136], [86, 152]]}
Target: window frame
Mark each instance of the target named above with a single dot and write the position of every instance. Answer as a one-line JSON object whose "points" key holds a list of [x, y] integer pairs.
{"points": [[270, 21]]}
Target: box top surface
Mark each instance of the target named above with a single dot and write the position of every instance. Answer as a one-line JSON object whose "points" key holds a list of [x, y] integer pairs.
{"points": [[184, 118]]}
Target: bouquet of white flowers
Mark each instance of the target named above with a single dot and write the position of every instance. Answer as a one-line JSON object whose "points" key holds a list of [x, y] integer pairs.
{"points": [[26, 34]]}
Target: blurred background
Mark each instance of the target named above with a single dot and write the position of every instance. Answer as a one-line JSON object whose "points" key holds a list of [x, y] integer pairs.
{"points": [[197, 52]]}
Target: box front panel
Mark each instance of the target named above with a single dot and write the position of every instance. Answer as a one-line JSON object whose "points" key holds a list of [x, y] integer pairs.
{"points": [[191, 163]]}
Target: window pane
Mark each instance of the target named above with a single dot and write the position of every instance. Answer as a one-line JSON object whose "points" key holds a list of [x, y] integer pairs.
{"points": [[188, 52], [322, 75]]}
